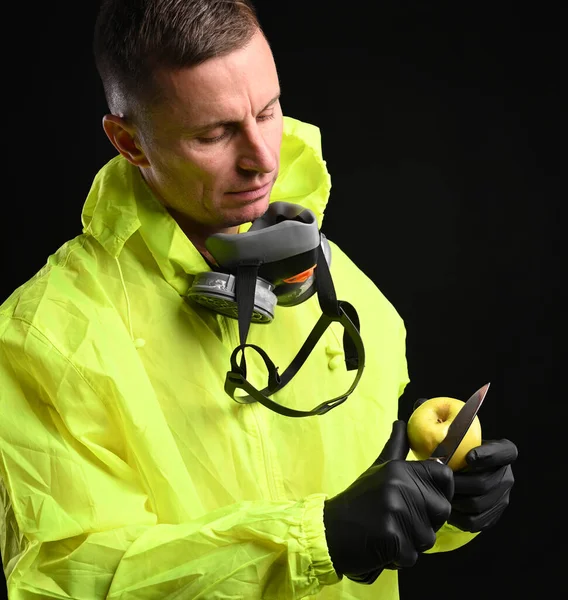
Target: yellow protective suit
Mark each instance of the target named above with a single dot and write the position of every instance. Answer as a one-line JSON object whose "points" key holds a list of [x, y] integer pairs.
{"points": [[127, 472]]}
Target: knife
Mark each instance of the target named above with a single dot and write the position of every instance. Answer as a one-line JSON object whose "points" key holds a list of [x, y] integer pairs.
{"points": [[459, 426]]}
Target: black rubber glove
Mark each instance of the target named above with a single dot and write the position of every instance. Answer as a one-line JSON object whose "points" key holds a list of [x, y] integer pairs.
{"points": [[482, 488], [389, 514]]}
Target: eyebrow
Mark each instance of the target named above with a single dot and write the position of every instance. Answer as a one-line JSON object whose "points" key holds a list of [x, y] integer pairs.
{"points": [[206, 126]]}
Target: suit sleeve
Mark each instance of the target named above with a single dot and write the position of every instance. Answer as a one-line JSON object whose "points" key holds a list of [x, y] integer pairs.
{"points": [[450, 538], [77, 523]]}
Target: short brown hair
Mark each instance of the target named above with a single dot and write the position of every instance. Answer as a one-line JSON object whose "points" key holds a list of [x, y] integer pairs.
{"points": [[133, 38]]}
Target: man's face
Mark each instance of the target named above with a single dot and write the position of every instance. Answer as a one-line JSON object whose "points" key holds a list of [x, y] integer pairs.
{"points": [[213, 145]]}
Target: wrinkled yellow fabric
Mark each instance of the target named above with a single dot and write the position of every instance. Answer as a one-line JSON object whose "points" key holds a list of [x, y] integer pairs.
{"points": [[126, 470]]}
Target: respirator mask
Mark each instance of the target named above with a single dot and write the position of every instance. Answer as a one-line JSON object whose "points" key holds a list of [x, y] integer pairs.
{"points": [[283, 259]]}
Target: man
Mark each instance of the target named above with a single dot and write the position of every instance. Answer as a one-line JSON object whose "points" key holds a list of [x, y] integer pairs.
{"points": [[127, 469]]}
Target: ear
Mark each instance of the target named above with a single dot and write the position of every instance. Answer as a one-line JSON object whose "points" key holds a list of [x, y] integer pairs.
{"points": [[121, 136]]}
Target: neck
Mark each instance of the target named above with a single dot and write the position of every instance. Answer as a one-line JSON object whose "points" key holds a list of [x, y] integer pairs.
{"points": [[198, 233]]}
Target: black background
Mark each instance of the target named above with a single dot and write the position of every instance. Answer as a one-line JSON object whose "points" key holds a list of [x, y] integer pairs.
{"points": [[441, 127]]}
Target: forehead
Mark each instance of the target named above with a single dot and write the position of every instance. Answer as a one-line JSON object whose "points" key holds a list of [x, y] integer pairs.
{"points": [[223, 88]]}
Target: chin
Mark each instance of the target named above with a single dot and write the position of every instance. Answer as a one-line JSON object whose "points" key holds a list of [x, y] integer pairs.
{"points": [[248, 212]]}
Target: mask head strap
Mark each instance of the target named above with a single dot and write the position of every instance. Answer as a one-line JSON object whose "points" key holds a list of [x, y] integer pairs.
{"points": [[332, 310], [247, 273]]}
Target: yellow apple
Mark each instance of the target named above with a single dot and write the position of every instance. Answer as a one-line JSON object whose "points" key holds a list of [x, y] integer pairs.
{"points": [[429, 423]]}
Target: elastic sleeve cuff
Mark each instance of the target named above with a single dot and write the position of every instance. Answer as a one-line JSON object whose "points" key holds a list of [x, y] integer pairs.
{"points": [[316, 543]]}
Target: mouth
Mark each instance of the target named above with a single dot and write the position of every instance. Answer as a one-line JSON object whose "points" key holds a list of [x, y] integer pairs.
{"points": [[251, 193]]}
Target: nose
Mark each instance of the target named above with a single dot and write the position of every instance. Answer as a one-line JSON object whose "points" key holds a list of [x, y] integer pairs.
{"points": [[255, 153]]}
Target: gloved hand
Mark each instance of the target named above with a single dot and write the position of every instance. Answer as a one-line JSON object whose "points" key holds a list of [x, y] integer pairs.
{"points": [[482, 489], [389, 514]]}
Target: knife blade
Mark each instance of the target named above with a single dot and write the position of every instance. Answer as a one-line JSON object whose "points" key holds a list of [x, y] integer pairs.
{"points": [[459, 426]]}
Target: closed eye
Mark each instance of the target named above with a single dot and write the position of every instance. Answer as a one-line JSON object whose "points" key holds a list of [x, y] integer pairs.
{"points": [[227, 130]]}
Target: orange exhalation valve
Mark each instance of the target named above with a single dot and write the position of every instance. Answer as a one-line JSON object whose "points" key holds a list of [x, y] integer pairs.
{"points": [[301, 277]]}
